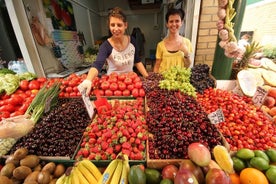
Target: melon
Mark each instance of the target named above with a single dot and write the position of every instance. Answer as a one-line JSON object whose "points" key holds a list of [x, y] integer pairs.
{"points": [[258, 76], [270, 64], [247, 82], [269, 77]]}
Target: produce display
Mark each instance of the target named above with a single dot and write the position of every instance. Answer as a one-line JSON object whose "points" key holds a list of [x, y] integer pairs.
{"points": [[121, 130], [58, 132], [169, 126]]}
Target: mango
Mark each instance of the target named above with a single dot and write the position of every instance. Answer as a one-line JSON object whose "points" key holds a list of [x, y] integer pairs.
{"points": [[217, 176], [199, 154], [195, 169]]}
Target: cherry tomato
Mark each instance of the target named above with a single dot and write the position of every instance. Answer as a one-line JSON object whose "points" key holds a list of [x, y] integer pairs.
{"points": [[41, 80], [4, 114], [7, 107]]}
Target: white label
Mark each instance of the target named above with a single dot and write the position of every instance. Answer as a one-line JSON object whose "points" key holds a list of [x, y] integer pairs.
{"points": [[259, 96], [216, 117]]}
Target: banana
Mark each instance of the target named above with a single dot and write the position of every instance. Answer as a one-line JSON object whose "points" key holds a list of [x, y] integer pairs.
{"points": [[107, 175], [87, 174], [117, 173], [126, 167], [75, 178], [82, 179], [61, 179], [92, 168]]}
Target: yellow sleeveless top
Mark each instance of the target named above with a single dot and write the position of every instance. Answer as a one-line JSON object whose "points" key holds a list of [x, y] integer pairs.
{"points": [[170, 59]]}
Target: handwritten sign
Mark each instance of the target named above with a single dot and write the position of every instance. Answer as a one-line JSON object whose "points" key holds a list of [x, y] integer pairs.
{"points": [[259, 96], [216, 117]]}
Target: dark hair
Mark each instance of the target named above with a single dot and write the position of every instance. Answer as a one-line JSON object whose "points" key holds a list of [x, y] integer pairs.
{"points": [[118, 13], [174, 11]]}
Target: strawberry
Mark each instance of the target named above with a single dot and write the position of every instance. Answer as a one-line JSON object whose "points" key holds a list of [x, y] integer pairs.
{"points": [[92, 156], [137, 141], [126, 145], [104, 145], [123, 139], [109, 150], [118, 148], [126, 151], [85, 152], [141, 147]]}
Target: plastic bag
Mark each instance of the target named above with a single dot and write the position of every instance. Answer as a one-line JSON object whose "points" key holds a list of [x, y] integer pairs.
{"points": [[15, 127]]}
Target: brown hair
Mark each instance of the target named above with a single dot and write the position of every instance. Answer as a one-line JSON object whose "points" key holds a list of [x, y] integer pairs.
{"points": [[174, 11], [117, 13]]}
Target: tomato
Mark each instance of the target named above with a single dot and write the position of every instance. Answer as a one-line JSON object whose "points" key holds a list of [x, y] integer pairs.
{"points": [[135, 92], [122, 77], [126, 92], [105, 85], [5, 96], [112, 79], [73, 82], [24, 85], [15, 99], [142, 92], [113, 86], [128, 81], [138, 85], [24, 106], [7, 107], [108, 92], [130, 87], [41, 80], [117, 93], [121, 86], [34, 84], [4, 114], [72, 94], [69, 89]]}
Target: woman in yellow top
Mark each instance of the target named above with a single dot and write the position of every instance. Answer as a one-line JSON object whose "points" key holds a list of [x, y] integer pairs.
{"points": [[174, 49]]}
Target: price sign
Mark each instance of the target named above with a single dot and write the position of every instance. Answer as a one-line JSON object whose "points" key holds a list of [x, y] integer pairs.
{"points": [[259, 96], [88, 105], [216, 117]]}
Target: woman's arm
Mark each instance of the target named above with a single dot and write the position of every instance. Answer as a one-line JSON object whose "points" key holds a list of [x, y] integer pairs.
{"points": [[157, 65], [141, 69]]}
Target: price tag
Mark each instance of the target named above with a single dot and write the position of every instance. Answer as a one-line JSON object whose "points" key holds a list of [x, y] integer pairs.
{"points": [[259, 96], [216, 117], [88, 105]]}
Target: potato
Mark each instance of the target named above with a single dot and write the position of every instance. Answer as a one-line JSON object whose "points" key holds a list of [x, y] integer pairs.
{"points": [[50, 167], [13, 160], [21, 172], [7, 170], [32, 176], [43, 177], [30, 161], [20, 153], [53, 181], [37, 168], [60, 169], [5, 180], [16, 181]]}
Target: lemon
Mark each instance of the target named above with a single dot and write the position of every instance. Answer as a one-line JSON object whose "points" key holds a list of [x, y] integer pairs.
{"points": [[260, 153], [238, 164], [271, 175], [259, 163], [245, 153]]}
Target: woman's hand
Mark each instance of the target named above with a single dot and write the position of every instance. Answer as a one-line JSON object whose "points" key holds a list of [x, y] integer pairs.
{"points": [[86, 86]]}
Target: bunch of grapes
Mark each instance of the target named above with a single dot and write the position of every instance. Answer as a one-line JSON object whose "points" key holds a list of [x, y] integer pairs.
{"points": [[177, 78], [151, 82], [201, 79]]}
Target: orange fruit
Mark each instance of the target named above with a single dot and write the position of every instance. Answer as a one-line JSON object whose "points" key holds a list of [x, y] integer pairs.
{"points": [[234, 178], [252, 176]]}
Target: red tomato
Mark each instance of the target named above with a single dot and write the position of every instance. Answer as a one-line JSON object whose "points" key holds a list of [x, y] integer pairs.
{"points": [[5, 96], [34, 84], [105, 85], [108, 92], [4, 114], [142, 92], [113, 86], [69, 89], [117, 93], [121, 86], [130, 87], [112, 79], [24, 85], [15, 99], [122, 77], [128, 81], [138, 85], [7, 107], [41, 80], [126, 92], [24, 107], [135, 92], [16, 113]]}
